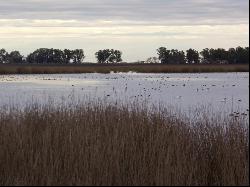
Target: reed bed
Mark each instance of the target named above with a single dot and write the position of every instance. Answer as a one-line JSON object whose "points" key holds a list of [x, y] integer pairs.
{"points": [[107, 68], [112, 144]]}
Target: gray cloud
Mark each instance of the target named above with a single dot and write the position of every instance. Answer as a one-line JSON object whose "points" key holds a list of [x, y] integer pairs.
{"points": [[164, 12], [137, 27]]}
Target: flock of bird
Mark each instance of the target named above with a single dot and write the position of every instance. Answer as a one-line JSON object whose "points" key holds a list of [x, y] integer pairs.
{"points": [[137, 84]]}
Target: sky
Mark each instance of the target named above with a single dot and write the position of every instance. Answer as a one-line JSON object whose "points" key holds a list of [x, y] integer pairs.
{"points": [[136, 27]]}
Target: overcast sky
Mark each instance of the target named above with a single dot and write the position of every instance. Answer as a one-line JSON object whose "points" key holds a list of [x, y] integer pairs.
{"points": [[136, 27]]}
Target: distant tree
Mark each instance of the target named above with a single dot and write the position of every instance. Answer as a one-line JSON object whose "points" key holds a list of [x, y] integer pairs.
{"points": [[117, 57], [206, 57], [232, 56], [101, 57], [3, 56], [238, 55], [68, 56], [173, 56], [164, 55], [152, 60], [246, 54], [78, 56], [192, 56], [242, 55], [177, 57], [108, 56], [14, 57], [58, 56], [182, 57], [219, 55], [214, 55], [41, 56], [49, 56], [31, 58]]}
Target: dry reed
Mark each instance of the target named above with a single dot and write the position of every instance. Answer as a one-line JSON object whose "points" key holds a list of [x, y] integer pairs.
{"points": [[106, 68], [98, 144]]}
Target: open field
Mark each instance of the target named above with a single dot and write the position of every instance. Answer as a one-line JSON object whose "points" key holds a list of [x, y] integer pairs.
{"points": [[106, 68], [100, 144]]}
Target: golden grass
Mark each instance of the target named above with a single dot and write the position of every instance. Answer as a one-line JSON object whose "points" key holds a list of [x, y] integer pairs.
{"points": [[101, 144], [107, 68]]}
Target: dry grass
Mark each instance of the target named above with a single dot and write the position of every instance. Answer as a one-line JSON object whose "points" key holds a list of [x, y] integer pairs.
{"points": [[97, 144], [106, 68]]}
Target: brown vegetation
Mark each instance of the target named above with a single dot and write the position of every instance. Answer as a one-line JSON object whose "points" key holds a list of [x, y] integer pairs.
{"points": [[107, 68], [97, 144]]}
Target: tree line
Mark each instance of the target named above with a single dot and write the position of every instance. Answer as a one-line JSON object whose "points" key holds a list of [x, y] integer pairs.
{"points": [[165, 56], [206, 56], [44, 56]]}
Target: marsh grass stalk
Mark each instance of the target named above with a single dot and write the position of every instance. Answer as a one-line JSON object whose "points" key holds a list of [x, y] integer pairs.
{"points": [[107, 68], [108, 144]]}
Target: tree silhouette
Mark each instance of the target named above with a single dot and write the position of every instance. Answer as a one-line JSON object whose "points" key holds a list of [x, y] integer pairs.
{"points": [[3, 56], [173, 56], [14, 57], [108, 56], [192, 56], [49, 56]]}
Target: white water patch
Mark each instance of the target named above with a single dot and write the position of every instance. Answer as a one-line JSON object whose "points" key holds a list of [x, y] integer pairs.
{"points": [[47, 80]]}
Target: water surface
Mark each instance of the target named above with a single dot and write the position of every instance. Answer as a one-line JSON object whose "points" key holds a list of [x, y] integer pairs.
{"points": [[222, 92]]}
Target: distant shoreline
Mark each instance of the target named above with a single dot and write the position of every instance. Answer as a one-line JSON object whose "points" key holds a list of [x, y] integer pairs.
{"points": [[121, 67]]}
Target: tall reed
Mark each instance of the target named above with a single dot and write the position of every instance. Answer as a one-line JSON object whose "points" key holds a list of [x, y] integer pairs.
{"points": [[108, 144]]}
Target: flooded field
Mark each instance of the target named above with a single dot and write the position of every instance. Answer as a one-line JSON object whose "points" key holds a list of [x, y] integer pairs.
{"points": [[114, 137], [220, 92]]}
